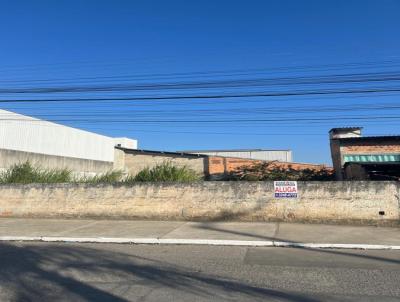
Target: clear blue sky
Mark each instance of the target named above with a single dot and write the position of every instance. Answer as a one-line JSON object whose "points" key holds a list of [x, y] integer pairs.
{"points": [[73, 43]]}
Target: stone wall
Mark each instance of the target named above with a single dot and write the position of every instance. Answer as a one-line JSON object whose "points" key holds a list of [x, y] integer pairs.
{"points": [[332, 202]]}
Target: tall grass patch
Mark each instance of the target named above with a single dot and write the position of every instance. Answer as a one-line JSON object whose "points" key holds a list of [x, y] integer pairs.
{"points": [[165, 171], [109, 177], [25, 173]]}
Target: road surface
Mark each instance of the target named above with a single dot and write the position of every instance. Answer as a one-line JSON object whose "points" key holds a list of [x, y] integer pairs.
{"points": [[111, 272]]}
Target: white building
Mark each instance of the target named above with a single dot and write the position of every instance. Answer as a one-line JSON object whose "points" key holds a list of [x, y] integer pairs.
{"points": [[30, 135], [260, 154]]}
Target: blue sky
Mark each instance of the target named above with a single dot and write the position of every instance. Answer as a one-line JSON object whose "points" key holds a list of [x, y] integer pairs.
{"points": [[61, 43]]}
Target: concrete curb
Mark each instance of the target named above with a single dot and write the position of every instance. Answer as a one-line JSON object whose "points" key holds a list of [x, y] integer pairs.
{"points": [[252, 243]]}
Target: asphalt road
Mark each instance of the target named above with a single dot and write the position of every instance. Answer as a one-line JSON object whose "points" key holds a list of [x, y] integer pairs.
{"points": [[106, 272]]}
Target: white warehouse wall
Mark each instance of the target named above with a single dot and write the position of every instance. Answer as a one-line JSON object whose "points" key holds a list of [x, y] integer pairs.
{"points": [[268, 155], [25, 133]]}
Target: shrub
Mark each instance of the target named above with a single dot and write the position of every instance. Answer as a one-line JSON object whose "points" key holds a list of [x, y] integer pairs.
{"points": [[165, 171], [267, 171], [108, 177], [26, 173]]}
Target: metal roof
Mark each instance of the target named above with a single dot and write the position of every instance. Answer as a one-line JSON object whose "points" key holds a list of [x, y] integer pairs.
{"points": [[233, 150], [138, 151], [345, 128], [370, 138]]}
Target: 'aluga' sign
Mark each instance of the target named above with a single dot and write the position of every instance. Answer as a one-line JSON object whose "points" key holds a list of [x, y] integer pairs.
{"points": [[285, 189]]}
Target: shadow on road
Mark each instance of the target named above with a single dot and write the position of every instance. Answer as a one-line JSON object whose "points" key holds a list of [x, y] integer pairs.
{"points": [[38, 272], [212, 227]]}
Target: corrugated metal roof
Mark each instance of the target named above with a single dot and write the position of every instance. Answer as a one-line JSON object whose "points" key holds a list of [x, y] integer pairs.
{"points": [[232, 150], [137, 151]]}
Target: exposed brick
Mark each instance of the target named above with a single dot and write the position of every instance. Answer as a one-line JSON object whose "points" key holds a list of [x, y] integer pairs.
{"points": [[220, 165], [339, 148], [371, 149]]}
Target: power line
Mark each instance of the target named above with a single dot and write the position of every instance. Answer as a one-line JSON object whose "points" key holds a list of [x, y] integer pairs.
{"points": [[354, 65], [241, 111], [294, 119], [256, 82], [216, 73], [212, 96]]}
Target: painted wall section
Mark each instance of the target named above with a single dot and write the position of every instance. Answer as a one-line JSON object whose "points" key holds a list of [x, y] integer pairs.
{"points": [[357, 202], [77, 165]]}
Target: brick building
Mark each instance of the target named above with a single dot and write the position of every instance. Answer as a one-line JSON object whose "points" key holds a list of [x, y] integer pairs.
{"points": [[364, 157]]}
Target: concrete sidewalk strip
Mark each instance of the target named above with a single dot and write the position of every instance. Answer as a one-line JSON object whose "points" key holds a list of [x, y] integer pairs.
{"points": [[215, 242], [86, 228], [259, 231], [266, 234], [323, 233]]}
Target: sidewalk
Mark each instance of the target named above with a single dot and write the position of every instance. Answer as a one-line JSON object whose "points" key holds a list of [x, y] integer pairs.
{"points": [[178, 232]]}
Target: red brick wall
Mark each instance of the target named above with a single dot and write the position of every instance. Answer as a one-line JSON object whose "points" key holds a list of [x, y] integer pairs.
{"points": [[384, 147], [215, 165], [221, 165]]}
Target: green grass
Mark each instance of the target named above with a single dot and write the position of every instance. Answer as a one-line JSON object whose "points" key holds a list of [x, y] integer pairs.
{"points": [[165, 171], [25, 173], [109, 177]]}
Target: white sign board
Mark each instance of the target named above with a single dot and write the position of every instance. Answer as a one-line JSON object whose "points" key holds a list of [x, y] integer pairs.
{"points": [[285, 189]]}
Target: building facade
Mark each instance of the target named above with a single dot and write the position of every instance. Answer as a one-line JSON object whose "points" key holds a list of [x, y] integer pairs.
{"points": [[52, 145], [364, 157]]}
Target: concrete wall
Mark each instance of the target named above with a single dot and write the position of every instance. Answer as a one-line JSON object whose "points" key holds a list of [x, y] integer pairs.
{"points": [[135, 162], [77, 165], [334, 202]]}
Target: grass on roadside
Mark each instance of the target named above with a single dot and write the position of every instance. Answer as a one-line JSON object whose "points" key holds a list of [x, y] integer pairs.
{"points": [[25, 173], [109, 177], [165, 171]]}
